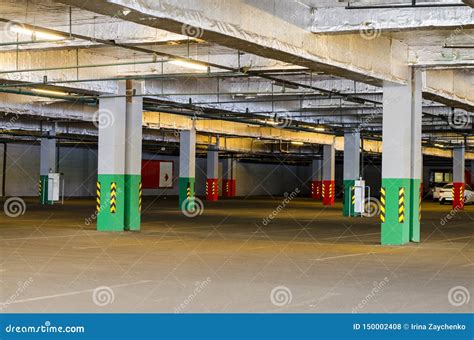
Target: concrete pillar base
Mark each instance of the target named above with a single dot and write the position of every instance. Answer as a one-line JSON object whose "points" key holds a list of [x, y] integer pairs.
{"points": [[316, 189], [212, 189], [458, 196], [133, 200], [110, 216], [349, 199], [186, 193], [400, 198], [228, 188], [328, 188]]}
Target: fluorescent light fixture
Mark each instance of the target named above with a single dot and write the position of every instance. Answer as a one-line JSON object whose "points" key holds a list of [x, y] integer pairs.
{"points": [[189, 64], [321, 129], [297, 143], [56, 93], [439, 145], [271, 122], [37, 34]]}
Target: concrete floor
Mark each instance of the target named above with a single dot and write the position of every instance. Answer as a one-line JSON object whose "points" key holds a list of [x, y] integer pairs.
{"points": [[226, 260]]}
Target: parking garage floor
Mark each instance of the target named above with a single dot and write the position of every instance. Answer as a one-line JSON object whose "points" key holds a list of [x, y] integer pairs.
{"points": [[307, 259]]}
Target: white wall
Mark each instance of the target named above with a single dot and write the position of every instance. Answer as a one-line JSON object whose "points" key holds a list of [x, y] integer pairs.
{"points": [[79, 166]]}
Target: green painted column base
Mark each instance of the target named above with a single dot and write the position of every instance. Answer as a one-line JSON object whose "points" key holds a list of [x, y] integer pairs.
{"points": [[186, 193], [43, 190], [415, 206], [133, 202], [348, 206], [112, 203], [399, 215]]}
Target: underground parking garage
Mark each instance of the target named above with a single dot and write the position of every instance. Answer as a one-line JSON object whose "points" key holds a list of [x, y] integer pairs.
{"points": [[184, 160]]}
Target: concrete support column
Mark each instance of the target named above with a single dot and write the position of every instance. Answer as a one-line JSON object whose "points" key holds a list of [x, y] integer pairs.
{"points": [[420, 200], [111, 162], [316, 179], [133, 155], [228, 177], [212, 185], [401, 161], [329, 164], [351, 170], [458, 177], [47, 164], [187, 169]]}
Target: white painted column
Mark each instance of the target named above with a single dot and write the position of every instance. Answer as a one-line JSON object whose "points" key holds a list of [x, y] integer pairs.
{"points": [[401, 161], [187, 168], [47, 163], [351, 169], [458, 177], [212, 186], [316, 178], [111, 161], [228, 177], [329, 170], [133, 155]]}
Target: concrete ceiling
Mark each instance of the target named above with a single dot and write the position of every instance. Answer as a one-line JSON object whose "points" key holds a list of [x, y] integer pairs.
{"points": [[240, 83]]}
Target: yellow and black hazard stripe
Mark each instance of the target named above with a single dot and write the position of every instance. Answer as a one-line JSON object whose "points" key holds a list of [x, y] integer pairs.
{"points": [[113, 197], [419, 204], [401, 205], [324, 191], [97, 198], [188, 190], [312, 188], [207, 187], [140, 197], [227, 187], [382, 205], [330, 190], [213, 191], [40, 187], [461, 195], [353, 198]]}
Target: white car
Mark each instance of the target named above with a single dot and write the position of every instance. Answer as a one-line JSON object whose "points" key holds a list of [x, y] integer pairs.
{"points": [[436, 191], [446, 194]]}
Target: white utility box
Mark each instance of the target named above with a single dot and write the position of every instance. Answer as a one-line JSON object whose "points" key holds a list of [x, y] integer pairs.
{"points": [[54, 180], [359, 195]]}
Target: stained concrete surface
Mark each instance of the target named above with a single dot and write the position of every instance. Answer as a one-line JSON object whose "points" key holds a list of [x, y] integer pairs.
{"points": [[229, 260]]}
